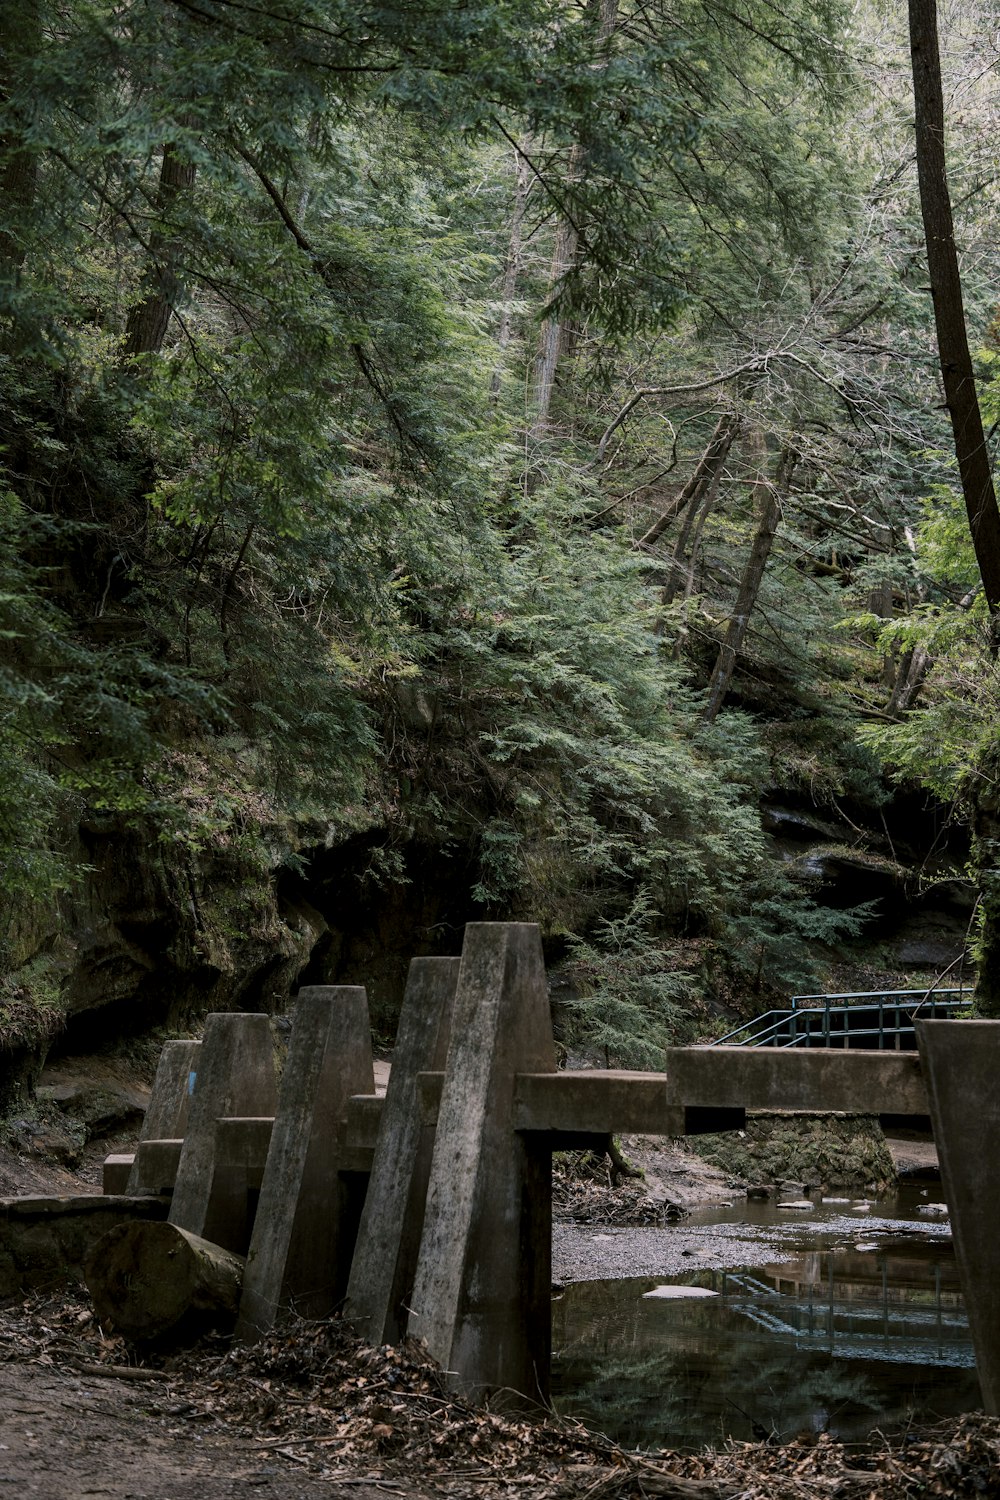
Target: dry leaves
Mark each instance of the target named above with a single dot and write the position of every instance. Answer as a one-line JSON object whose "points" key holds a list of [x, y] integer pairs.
{"points": [[313, 1396], [583, 1193]]}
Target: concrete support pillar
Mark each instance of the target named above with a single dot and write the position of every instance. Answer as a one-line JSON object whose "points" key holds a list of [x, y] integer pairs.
{"points": [[385, 1257], [167, 1115], [961, 1062], [303, 1232], [235, 1077], [481, 1297]]}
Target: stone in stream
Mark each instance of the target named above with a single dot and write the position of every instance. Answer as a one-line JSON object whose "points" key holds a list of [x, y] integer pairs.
{"points": [[672, 1293]]}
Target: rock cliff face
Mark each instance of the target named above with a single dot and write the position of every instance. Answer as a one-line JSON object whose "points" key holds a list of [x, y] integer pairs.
{"points": [[153, 936], [906, 867], [156, 936]]}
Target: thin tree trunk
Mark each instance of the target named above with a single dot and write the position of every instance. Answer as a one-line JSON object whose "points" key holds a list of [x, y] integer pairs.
{"points": [[700, 503], [770, 497], [913, 669], [552, 339], [704, 510], [512, 267], [946, 287], [707, 468], [18, 161], [555, 337], [147, 322], [880, 603]]}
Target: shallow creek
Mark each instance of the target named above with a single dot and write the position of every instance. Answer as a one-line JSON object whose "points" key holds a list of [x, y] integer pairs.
{"points": [[754, 1321]]}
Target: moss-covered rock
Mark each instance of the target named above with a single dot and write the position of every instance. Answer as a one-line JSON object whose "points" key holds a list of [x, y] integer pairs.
{"points": [[823, 1151]]}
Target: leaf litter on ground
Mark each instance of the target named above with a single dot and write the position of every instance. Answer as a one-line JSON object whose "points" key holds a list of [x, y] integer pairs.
{"points": [[313, 1394]]}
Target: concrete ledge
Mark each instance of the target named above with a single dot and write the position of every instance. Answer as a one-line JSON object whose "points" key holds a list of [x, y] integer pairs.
{"points": [[821, 1081], [45, 1241], [596, 1102]]}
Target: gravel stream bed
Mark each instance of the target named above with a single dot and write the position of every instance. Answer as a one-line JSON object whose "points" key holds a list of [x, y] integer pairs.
{"points": [[590, 1252]]}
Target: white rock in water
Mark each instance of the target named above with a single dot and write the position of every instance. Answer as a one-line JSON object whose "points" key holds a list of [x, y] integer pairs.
{"points": [[800, 1203], [932, 1208], [680, 1291], [836, 1200], [865, 1249]]}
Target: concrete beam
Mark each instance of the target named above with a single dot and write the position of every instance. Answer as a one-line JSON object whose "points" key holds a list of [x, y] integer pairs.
{"points": [[235, 1077], [962, 1063], [385, 1257], [307, 1213], [599, 1102], [818, 1080]]}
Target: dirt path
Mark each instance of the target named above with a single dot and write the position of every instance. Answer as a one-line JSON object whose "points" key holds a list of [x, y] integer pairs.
{"points": [[64, 1436]]}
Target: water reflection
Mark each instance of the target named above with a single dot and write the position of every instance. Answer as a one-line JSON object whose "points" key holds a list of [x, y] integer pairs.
{"points": [[855, 1326]]}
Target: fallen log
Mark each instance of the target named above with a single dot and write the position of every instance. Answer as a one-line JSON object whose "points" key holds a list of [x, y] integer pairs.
{"points": [[153, 1279]]}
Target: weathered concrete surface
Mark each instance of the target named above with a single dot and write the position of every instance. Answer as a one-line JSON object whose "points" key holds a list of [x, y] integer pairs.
{"points": [[962, 1065], [816, 1080], [235, 1077], [173, 1088], [241, 1147], [45, 1241], [157, 1165], [385, 1257], [364, 1115], [167, 1115], [603, 1102], [115, 1173], [482, 1287], [303, 1232]]}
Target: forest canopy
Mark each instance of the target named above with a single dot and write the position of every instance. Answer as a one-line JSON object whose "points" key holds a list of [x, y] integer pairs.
{"points": [[510, 428]]}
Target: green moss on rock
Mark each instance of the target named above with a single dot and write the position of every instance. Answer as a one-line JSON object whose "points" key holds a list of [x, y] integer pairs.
{"points": [[823, 1151]]}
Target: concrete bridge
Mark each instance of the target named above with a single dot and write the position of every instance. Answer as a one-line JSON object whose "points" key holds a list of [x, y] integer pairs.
{"points": [[428, 1212]]}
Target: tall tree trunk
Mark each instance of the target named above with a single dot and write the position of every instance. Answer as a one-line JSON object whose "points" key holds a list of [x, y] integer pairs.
{"points": [[20, 37], [552, 339], [555, 336], [946, 288], [769, 499], [148, 320], [512, 267]]}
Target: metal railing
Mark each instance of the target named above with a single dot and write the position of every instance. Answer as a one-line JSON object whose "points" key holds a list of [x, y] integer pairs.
{"points": [[879, 1020]]}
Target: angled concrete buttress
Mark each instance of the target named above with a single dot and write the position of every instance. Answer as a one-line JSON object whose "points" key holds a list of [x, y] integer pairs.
{"points": [[235, 1077], [385, 1256], [481, 1297], [303, 1229], [961, 1061], [167, 1115]]}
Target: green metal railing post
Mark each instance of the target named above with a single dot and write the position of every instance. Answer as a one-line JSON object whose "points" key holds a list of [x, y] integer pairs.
{"points": [[816, 1024]]}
